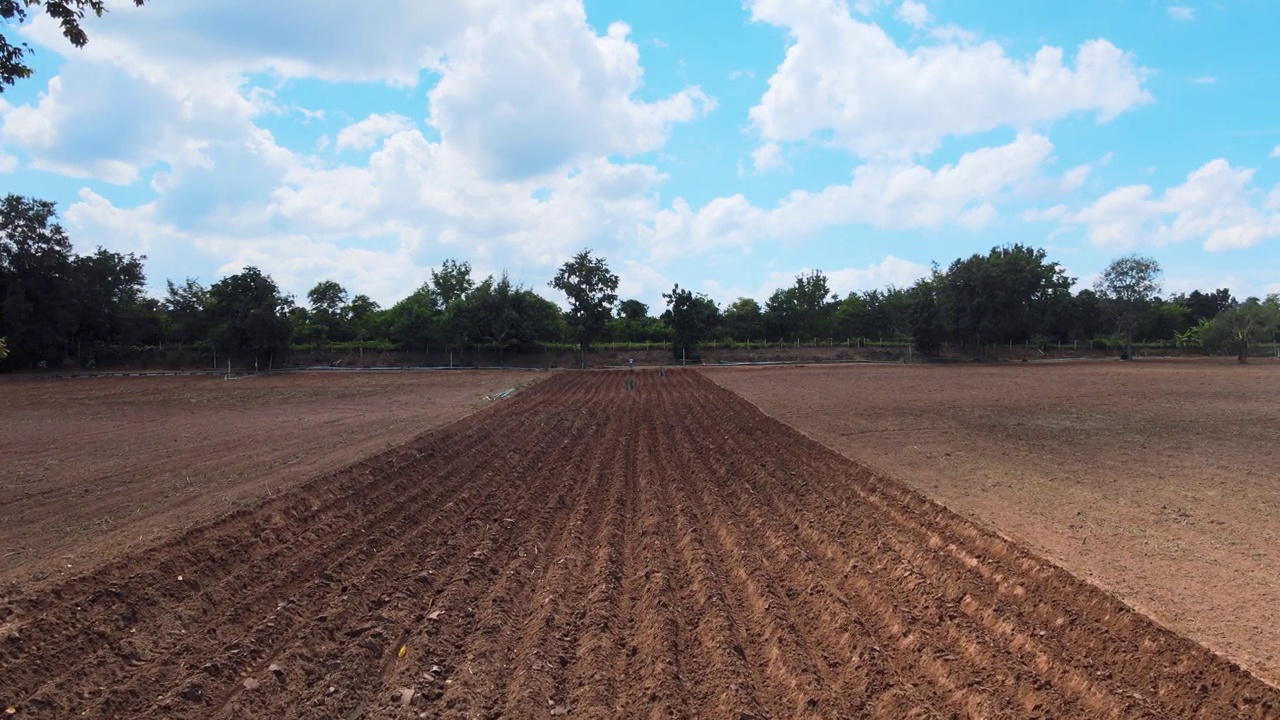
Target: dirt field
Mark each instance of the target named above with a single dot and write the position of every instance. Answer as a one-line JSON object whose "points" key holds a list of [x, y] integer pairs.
{"points": [[581, 550], [1158, 480], [94, 466]]}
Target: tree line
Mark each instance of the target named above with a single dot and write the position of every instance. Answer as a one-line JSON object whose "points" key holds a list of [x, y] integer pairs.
{"points": [[63, 309]]}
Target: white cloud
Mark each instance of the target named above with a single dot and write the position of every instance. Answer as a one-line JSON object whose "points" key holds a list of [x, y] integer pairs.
{"points": [[563, 93], [915, 14], [1215, 205], [1183, 13], [1078, 175], [768, 157], [891, 271], [174, 98], [369, 132], [1276, 152], [849, 81], [885, 195], [8, 163], [144, 86]]}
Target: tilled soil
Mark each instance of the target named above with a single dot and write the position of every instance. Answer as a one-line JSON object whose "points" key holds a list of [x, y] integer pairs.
{"points": [[583, 550], [1157, 479], [95, 466]]}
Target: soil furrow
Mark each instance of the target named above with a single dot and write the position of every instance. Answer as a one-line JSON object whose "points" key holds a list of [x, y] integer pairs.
{"points": [[594, 549]]}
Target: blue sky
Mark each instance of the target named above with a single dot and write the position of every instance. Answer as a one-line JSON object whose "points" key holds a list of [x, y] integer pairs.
{"points": [[725, 146]]}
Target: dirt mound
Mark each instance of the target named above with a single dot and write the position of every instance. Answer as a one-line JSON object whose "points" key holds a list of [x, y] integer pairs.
{"points": [[583, 550]]}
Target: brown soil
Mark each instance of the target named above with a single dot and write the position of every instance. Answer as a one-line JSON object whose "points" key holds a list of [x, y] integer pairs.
{"points": [[94, 466], [1156, 480], [583, 550]]}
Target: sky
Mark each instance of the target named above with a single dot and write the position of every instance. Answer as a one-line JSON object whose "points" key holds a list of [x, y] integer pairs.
{"points": [[723, 145]]}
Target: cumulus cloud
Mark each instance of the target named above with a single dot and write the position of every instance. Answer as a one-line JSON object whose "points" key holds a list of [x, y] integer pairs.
{"points": [[885, 195], [848, 81], [915, 14], [1078, 175], [177, 98], [369, 132], [768, 157], [562, 93], [1216, 205], [1275, 153]]}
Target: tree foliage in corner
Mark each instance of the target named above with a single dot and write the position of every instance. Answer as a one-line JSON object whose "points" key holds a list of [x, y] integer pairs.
{"points": [[1127, 288], [592, 291], [69, 13]]}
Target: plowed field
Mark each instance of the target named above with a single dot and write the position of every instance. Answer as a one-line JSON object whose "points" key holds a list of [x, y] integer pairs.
{"points": [[92, 467], [583, 550]]}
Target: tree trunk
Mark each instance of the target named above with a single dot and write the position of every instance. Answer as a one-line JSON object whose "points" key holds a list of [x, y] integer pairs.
{"points": [[1242, 355]]}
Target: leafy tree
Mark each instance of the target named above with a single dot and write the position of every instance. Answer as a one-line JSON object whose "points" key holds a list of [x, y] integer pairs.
{"points": [[452, 282], [850, 318], [1082, 318], [693, 317], [1235, 328], [633, 310], [504, 316], [364, 316], [1010, 294], [248, 313], [1201, 306], [743, 320], [634, 324], [38, 310], [416, 321], [109, 306], [186, 309], [802, 311], [592, 291], [69, 13], [927, 330], [327, 318], [1127, 288]]}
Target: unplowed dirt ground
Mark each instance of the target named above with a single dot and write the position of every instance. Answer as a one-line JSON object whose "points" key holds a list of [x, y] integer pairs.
{"points": [[586, 550], [91, 467], [1158, 480]]}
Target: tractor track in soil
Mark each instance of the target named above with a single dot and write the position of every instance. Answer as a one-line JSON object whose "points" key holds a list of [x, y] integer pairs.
{"points": [[583, 550]]}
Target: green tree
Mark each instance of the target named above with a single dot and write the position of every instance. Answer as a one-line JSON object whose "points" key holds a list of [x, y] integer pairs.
{"points": [[743, 320], [802, 311], [633, 310], [364, 316], [1010, 294], [452, 282], [37, 303], [248, 313], [1241, 325], [327, 318], [69, 13], [109, 305], [693, 318], [185, 308], [1127, 288], [416, 322], [1202, 306], [925, 315], [592, 291]]}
